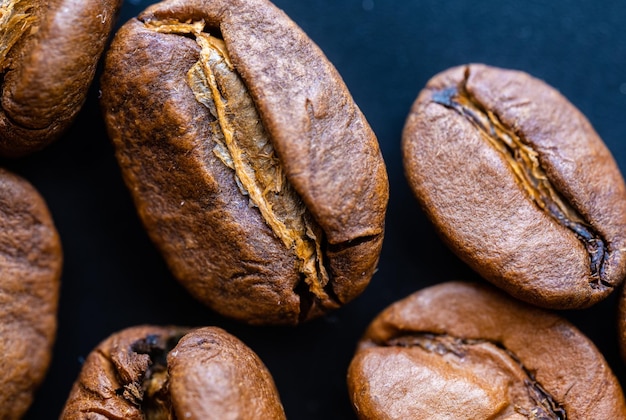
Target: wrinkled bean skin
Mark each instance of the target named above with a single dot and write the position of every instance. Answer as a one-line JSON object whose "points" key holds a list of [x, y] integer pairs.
{"points": [[30, 263], [203, 86], [51, 51], [463, 350], [150, 372], [519, 185]]}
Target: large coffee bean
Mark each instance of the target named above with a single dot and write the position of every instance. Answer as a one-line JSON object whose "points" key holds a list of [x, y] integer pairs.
{"points": [[519, 185], [250, 165], [465, 351]]}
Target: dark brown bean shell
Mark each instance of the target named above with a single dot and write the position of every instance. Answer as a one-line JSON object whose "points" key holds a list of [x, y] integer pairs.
{"points": [[150, 372], [44, 76], [214, 240], [30, 263], [462, 350], [519, 185]]}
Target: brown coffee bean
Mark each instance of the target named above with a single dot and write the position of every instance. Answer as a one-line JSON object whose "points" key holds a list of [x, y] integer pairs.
{"points": [[48, 56], [251, 166], [519, 185], [467, 351], [150, 372], [30, 263]]}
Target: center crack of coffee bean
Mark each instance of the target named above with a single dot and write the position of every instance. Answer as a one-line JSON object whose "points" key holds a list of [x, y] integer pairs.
{"points": [[155, 398], [243, 145], [539, 403], [526, 166], [16, 19]]}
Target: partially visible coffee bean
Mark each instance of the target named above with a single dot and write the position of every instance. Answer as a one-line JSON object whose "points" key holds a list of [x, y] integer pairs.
{"points": [[150, 372], [251, 166], [519, 185], [30, 267], [466, 351], [48, 55]]}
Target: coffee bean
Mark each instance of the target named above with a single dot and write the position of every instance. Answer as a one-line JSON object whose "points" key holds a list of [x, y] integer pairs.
{"points": [[150, 372], [48, 56], [463, 350], [30, 263], [519, 185], [251, 167]]}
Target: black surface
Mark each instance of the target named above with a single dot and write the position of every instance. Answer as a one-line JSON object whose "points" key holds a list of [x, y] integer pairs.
{"points": [[386, 51]]}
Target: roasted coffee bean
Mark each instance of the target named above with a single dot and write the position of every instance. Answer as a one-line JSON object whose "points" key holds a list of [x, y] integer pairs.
{"points": [[30, 263], [468, 351], [250, 165], [48, 55], [150, 372], [519, 185]]}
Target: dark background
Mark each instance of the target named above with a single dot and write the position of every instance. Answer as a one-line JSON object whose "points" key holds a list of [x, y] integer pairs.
{"points": [[385, 50]]}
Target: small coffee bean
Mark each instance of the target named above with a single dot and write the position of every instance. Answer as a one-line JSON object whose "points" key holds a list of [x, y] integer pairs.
{"points": [[468, 351], [150, 372], [231, 109], [519, 185], [30, 263], [48, 56]]}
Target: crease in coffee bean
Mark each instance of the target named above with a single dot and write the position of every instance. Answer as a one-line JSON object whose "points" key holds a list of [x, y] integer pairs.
{"points": [[308, 300], [525, 164], [342, 246], [147, 390], [546, 406], [155, 399], [243, 145], [17, 18]]}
